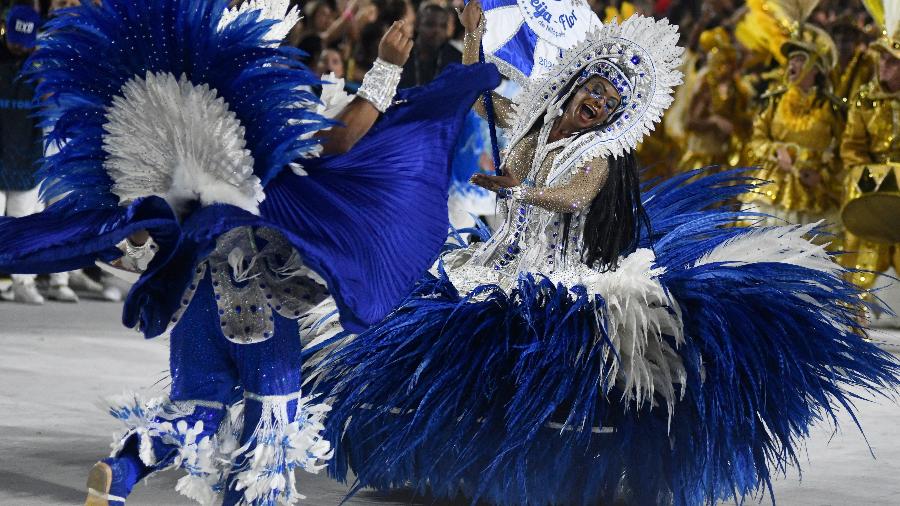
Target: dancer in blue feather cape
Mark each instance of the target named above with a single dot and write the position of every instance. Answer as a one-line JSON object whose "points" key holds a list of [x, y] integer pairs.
{"points": [[603, 345], [186, 143]]}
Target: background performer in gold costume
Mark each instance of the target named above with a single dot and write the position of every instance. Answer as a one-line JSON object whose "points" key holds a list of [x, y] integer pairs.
{"points": [[870, 150], [795, 139]]}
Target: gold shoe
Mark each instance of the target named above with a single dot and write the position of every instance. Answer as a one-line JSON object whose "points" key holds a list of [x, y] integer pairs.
{"points": [[98, 483]]}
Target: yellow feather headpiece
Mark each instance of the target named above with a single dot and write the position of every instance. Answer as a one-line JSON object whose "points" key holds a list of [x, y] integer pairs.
{"points": [[887, 14], [763, 29]]}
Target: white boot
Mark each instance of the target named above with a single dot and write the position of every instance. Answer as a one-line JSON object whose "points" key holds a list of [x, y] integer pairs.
{"points": [[62, 293], [26, 292]]}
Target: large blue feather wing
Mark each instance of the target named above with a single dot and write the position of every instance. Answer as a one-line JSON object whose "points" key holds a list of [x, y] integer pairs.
{"points": [[88, 53]]}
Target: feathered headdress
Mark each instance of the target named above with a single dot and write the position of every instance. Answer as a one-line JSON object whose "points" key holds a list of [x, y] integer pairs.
{"points": [[645, 57], [183, 101], [887, 14], [806, 37]]}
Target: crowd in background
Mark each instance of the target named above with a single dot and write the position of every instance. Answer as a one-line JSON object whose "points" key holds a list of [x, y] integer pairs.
{"points": [[733, 68]]}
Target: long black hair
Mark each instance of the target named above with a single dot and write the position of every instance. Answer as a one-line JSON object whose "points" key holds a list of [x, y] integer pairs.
{"points": [[615, 218]]}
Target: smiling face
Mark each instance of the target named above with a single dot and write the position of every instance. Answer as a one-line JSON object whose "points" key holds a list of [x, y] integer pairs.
{"points": [[592, 105]]}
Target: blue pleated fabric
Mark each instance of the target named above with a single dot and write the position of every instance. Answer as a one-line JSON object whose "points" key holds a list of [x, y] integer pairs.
{"points": [[369, 222], [68, 236], [373, 220], [467, 395]]}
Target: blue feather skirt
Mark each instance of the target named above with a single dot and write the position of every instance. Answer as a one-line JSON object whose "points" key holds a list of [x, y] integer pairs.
{"points": [[524, 396]]}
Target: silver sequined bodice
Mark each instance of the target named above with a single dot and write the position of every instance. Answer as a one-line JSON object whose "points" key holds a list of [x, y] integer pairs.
{"points": [[532, 237], [255, 274]]}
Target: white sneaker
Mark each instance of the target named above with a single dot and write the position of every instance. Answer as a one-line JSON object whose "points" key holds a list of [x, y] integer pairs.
{"points": [[27, 293], [78, 280], [62, 293]]}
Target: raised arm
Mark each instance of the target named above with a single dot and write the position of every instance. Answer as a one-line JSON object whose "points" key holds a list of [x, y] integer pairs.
{"points": [[472, 19], [375, 95]]}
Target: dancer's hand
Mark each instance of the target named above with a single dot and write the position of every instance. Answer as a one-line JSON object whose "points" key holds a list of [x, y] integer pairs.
{"points": [[784, 159], [470, 16], [396, 44], [495, 183]]}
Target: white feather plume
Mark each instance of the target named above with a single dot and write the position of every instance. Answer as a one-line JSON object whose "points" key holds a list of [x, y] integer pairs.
{"points": [[169, 138], [278, 10], [788, 244], [637, 315]]}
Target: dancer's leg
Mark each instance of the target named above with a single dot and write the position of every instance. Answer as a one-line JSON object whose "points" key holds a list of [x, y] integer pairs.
{"points": [[276, 418], [168, 432]]}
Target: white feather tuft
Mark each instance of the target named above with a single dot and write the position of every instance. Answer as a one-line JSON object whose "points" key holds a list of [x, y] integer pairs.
{"points": [[169, 138], [788, 244], [205, 459], [320, 325], [637, 315], [281, 446], [278, 10]]}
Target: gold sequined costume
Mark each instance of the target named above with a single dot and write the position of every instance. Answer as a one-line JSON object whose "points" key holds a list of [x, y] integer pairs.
{"points": [[872, 137], [807, 125], [802, 129]]}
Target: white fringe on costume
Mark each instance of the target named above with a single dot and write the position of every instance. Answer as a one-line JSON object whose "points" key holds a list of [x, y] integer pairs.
{"points": [[282, 445], [278, 446]]}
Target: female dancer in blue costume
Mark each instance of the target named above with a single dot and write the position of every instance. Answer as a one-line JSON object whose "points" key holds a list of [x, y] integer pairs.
{"points": [[604, 345], [183, 122]]}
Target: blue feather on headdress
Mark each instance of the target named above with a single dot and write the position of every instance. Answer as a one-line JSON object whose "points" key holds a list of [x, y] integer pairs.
{"points": [[124, 40]]}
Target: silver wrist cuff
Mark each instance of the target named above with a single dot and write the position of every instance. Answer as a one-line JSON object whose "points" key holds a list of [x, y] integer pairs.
{"points": [[137, 258], [380, 84]]}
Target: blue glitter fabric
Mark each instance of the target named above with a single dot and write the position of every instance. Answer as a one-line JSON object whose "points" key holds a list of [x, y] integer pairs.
{"points": [[206, 366], [210, 377]]}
